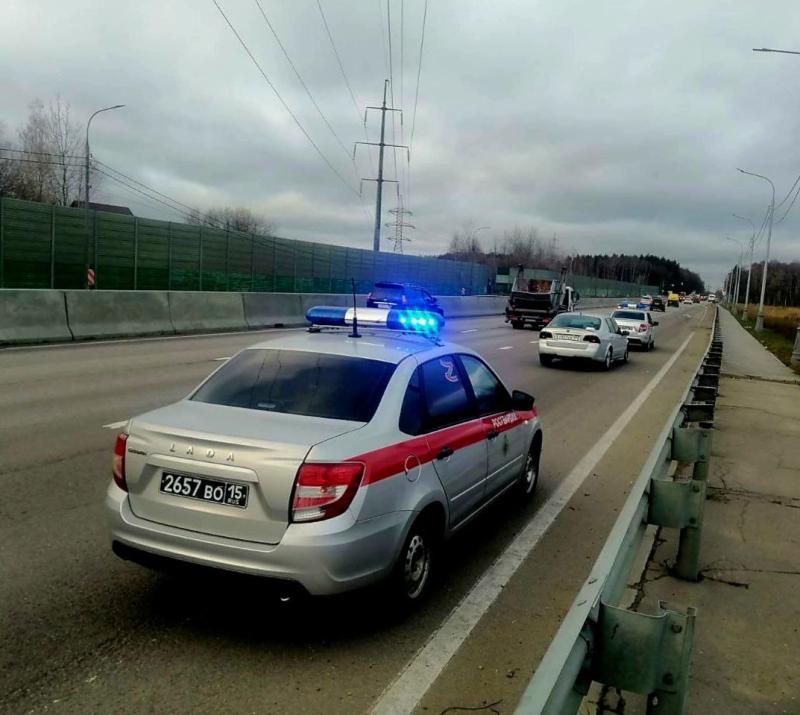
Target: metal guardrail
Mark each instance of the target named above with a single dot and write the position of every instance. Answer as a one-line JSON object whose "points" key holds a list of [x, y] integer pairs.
{"points": [[599, 639]]}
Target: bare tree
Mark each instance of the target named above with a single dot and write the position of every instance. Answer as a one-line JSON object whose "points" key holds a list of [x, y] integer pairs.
{"points": [[64, 139], [234, 218], [36, 173], [8, 168]]}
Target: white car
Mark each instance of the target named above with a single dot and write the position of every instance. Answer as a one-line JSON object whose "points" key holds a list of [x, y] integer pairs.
{"points": [[639, 324], [712, 298], [586, 337], [688, 300], [323, 462]]}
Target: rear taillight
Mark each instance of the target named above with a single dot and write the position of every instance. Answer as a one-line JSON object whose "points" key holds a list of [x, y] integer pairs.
{"points": [[545, 334], [642, 327], [591, 339], [118, 462], [322, 491], [545, 320]]}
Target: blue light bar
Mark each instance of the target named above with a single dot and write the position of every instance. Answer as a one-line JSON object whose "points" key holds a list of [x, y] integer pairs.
{"points": [[412, 321]]}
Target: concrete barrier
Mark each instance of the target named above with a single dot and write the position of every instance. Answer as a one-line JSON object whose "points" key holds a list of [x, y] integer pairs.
{"points": [[270, 310], [32, 316], [200, 312], [117, 313]]}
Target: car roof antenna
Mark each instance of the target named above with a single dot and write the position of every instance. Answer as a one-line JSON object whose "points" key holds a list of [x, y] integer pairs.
{"points": [[355, 333]]}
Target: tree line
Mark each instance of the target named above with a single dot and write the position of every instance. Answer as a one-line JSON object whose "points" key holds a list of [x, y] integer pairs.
{"points": [[783, 283], [526, 247]]}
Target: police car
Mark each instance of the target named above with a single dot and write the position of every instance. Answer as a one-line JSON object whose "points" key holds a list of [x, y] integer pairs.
{"points": [[328, 459]]}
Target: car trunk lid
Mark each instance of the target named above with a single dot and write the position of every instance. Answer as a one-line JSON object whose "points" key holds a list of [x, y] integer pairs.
{"points": [[211, 446]]}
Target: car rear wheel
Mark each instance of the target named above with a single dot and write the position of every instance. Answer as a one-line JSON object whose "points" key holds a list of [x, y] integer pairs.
{"points": [[625, 356], [545, 360], [412, 573], [608, 360], [517, 324], [652, 344], [530, 470]]}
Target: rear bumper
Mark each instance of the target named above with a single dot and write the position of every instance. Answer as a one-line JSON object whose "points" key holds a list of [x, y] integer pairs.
{"points": [[592, 351], [639, 339], [323, 561]]}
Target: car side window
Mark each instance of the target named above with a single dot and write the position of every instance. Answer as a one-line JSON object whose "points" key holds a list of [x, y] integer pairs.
{"points": [[445, 396], [412, 414], [612, 325], [490, 394]]}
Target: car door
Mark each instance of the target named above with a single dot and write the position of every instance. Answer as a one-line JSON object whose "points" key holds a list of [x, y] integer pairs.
{"points": [[456, 435], [619, 342], [505, 435]]}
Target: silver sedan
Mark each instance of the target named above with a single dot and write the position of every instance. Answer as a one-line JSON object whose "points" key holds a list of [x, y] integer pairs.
{"points": [[587, 337]]}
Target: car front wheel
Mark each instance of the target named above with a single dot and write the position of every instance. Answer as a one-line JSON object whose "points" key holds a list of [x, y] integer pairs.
{"points": [[530, 471]]}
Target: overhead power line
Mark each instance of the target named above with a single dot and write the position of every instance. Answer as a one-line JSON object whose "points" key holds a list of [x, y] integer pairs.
{"points": [[419, 74], [391, 82], [301, 80], [42, 153], [339, 59], [416, 100], [282, 101]]}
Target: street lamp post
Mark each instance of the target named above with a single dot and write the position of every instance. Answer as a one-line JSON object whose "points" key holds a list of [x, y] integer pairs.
{"points": [[738, 272], [760, 315], [86, 180], [750, 263]]}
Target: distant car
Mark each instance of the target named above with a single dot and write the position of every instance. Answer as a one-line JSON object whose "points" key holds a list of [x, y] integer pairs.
{"points": [[586, 337], [695, 299], [658, 304], [402, 295], [687, 300], [639, 324], [673, 300], [646, 300], [712, 298]]}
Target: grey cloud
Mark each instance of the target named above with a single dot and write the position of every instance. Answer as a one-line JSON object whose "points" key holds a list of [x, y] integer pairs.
{"points": [[617, 126]]}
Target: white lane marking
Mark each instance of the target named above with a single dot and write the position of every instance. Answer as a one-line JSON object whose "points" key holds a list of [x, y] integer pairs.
{"points": [[506, 347], [115, 425], [533, 342], [471, 330], [222, 359], [406, 692]]}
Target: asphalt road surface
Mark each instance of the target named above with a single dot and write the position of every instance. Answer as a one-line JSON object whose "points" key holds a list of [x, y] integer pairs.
{"points": [[83, 632]]}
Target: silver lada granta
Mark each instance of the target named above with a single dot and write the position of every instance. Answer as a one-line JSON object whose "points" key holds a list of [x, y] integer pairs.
{"points": [[325, 460]]}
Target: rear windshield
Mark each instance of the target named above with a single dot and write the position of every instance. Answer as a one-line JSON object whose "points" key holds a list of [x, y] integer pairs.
{"points": [[299, 383], [584, 322], [628, 315], [387, 292]]}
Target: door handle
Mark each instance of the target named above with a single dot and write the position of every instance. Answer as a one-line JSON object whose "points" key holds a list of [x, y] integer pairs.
{"points": [[492, 434], [444, 453]]}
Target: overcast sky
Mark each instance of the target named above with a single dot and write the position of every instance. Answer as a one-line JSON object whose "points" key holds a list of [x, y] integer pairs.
{"points": [[615, 125]]}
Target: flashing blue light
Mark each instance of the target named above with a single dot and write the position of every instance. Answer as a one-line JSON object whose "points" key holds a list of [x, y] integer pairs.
{"points": [[391, 319]]}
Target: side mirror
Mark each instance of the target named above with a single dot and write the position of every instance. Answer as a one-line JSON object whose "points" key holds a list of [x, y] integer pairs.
{"points": [[624, 332], [521, 401]]}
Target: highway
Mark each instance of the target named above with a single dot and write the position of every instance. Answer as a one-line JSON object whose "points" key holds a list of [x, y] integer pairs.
{"points": [[83, 632]]}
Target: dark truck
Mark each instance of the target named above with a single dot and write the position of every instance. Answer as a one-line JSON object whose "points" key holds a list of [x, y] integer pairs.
{"points": [[537, 301]]}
